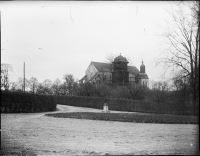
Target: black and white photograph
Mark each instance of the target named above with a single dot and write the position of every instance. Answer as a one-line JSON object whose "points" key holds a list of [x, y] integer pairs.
{"points": [[99, 77]]}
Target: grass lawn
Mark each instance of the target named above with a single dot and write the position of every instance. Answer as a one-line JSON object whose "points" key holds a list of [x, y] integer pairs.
{"points": [[128, 117]]}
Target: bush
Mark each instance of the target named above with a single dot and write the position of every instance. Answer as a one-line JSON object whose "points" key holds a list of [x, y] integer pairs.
{"points": [[130, 117], [13, 102], [119, 104]]}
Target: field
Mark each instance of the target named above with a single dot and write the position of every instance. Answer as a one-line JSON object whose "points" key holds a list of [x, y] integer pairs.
{"points": [[35, 133]]}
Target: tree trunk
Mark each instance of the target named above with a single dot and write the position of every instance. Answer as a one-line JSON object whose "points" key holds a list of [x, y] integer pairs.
{"points": [[194, 100]]}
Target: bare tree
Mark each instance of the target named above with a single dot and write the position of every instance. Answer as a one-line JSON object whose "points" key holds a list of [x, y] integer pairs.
{"points": [[13, 86], [136, 91], [57, 87], [33, 83], [20, 84], [5, 69], [110, 58], [183, 45], [76, 88], [69, 82], [159, 91], [47, 83], [45, 87]]}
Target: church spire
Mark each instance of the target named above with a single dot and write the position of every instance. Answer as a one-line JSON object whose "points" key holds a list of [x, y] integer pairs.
{"points": [[142, 68]]}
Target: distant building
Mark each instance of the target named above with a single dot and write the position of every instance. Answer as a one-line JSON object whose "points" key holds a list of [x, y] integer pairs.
{"points": [[117, 72], [142, 77]]}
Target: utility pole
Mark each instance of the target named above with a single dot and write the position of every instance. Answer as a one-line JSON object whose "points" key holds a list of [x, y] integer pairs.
{"points": [[24, 76]]}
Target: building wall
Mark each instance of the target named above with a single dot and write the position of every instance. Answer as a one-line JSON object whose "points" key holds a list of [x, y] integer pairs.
{"points": [[104, 77], [144, 82], [131, 78], [107, 76], [120, 77], [91, 71]]}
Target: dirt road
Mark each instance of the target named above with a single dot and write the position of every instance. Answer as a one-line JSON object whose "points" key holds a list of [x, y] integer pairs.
{"points": [[41, 135]]}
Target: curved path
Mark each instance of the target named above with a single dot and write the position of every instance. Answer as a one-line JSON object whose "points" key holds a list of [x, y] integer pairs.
{"points": [[34, 133]]}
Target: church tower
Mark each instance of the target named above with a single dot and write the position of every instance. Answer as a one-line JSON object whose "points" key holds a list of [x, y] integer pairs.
{"points": [[142, 68], [142, 77], [120, 74]]}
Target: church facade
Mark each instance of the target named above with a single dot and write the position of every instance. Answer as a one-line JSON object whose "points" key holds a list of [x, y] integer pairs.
{"points": [[117, 72]]}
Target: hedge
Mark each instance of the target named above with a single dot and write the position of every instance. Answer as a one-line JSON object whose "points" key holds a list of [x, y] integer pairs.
{"points": [[27, 102], [13, 102], [121, 104], [130, 117]]}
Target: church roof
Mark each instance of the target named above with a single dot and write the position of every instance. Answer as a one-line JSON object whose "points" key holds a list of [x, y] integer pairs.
{"points": [[102, 67], [120, 58], [83, 78], [106, 67], [133, 70], [142, 65], [142, 76]]}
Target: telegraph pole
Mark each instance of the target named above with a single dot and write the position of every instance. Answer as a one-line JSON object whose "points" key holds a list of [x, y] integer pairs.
{"points": [[24, 76]]}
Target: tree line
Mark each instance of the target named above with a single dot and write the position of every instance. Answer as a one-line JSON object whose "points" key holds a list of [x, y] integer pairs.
{"points": [[175, 92]]}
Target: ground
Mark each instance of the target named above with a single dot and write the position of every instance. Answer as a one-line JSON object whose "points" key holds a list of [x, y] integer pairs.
{"points": [[34, 133]]}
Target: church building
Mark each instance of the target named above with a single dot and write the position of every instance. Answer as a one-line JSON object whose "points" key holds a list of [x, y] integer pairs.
{"points": [[117, 72]]}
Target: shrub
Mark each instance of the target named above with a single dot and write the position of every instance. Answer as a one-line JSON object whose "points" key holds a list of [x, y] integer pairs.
{"points": [[14, 102], [119, 104], [27, 102], [130, 117]]}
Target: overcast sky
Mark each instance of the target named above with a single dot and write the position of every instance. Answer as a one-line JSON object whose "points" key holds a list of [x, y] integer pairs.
{"points": [[55, 38]]}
